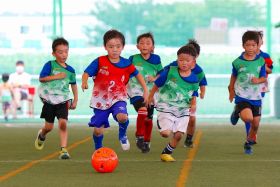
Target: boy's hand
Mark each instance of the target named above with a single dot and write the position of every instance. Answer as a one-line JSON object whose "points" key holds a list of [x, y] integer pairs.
{"points": [[255, 80], [150, 100], [231, 95], [84, 86], [60, 75], [145, 96], [192, 108], [150, 78], [73, 105]]}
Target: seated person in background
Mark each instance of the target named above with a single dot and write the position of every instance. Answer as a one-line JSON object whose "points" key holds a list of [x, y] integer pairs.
{"points": [[20, 82], [6, 95]]}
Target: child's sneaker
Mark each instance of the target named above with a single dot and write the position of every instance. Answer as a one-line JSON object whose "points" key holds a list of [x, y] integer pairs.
{"points": [[139, 142], [64, 154], [234, 117], [39, 143], [125, 143], [166, 158], [146, 147], [188, 143], [247, 148]]}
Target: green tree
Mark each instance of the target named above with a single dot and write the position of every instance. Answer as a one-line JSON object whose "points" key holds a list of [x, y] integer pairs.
{"points": [[171, 24], [123, 16]]}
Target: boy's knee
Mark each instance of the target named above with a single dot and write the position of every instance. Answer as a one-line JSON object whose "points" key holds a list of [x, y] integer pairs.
{"points": [[178, 136], [97, 132], [122, 118], [62, 125], [165, 134]]}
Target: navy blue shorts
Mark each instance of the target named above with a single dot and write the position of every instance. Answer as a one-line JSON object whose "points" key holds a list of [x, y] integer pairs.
{"points": [[101, 117]]}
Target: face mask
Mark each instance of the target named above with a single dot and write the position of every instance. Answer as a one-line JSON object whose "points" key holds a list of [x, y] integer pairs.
{"points": [[19, 69]]}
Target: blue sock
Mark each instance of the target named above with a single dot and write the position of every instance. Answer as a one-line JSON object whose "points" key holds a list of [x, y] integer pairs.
{"points": [[97, 141], [122, 128], [247, 126]]}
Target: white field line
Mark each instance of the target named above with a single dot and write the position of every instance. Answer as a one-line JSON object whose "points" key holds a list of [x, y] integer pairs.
{"points": [[138, 160]]}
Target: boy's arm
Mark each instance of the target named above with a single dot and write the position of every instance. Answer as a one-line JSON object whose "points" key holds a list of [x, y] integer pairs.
{"points": [[85, 81], [268, 70], [260, 80], [193, 104], [53, 77], [231, 88], [152, 93], [141, 81], [202, 91], [75, 94], [262, 77]]}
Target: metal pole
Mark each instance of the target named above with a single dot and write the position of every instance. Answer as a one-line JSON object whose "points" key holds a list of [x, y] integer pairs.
{"points": [[54, 19], [268, 25], [60, 17]]}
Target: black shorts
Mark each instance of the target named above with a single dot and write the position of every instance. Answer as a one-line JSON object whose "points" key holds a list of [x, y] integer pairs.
{"points": [[256, 110], [49, 112], [140, 103]]}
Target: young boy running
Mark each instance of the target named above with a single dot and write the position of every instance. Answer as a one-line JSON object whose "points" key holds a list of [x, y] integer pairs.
{"points": [[248, 73], [198, 71], [111, 74], [177, 87], [55, 78], [147, 64], [268, 68]]}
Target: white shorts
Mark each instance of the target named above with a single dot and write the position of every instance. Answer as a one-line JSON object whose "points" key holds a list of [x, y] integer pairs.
{"points": [[167, 121]]}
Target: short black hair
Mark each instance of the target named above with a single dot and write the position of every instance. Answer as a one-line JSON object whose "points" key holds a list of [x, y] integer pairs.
{"points": [[250, 35], [146, 35], [5, 77], [59, 41], [110, 34], [187, 49], [195, 45], [19, 62]]}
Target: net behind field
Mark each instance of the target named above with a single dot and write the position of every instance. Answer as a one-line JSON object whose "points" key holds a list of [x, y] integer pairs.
{"points": [[216, 66]]}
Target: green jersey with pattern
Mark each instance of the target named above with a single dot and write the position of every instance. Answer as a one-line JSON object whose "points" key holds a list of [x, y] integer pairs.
{"points": [[57, 91], [176, 93], [149, 67], [246, 70]]}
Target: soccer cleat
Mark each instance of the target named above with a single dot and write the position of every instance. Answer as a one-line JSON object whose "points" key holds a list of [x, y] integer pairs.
{"points": [[188, 143], [39, 144], [234, 117], [247, 148], [139, 142], [125, 143], [166, 158], [146, 147], [64, 154]]}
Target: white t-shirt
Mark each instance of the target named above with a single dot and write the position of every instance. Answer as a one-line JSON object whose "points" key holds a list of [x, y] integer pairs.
{"points": [[20, 79]]}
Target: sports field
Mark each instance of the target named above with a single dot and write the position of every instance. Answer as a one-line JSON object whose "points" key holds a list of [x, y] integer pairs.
{"points": [[216, 160]]}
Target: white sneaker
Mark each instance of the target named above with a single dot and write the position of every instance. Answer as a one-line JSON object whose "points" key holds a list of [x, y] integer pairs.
{"points": [[125, 143]]}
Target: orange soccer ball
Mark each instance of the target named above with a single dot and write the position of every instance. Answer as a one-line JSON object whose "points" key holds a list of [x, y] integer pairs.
{"points": [[104, 160]]}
